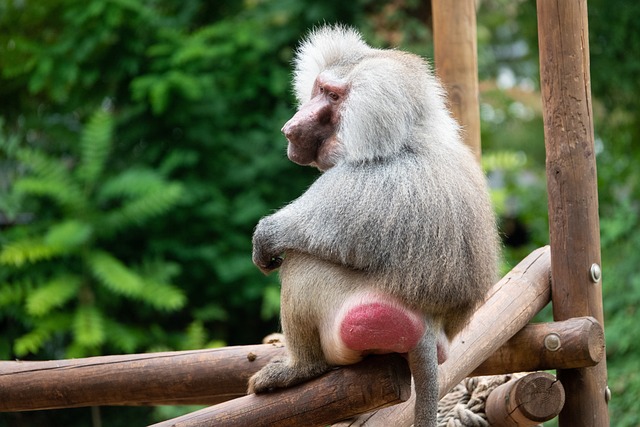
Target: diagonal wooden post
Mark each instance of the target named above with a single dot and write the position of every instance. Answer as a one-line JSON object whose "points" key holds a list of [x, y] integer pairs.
{"points": [[573, 195]]}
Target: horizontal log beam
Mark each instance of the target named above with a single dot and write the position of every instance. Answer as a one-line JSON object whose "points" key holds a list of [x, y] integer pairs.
{"points": [[185, 377], [573, 343], [374, 383], [216, 375]]}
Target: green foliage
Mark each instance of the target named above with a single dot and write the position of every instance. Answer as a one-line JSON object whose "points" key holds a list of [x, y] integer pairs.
{"points": [[104, 212], [54, 294], [140, 144], [95, 146], [88, 327], [58, 268], [114, 275]]}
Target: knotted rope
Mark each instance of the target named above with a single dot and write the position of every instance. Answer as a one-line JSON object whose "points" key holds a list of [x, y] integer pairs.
{"points": [[464, 405]]}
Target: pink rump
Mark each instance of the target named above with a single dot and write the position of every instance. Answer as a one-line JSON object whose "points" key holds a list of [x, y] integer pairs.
{"points": [[381, 328]]}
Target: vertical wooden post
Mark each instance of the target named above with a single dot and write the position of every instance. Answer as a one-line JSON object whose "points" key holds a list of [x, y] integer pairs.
{"points": [[573, 195], [456, 59]]}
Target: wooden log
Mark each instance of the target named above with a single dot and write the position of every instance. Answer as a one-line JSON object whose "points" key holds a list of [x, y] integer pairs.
{"points": [[509, 306], [374, 383], [573, 343], [573, 194], [525, 401], [217, 375], [200, 376], [456, 60]]}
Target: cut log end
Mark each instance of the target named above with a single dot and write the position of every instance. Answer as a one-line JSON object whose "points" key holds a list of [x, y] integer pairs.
{"points": [[525, 401]]}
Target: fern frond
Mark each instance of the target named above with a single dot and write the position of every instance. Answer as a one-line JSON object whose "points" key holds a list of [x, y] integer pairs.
{"points": [[9, 142], [163, 296], [130, 183], [52, 295], [159, 270], [196, 336], [28, 251], [65, 195], [43, 166], [11, 294], [44, 328], [68, 235], [31, 342], [88, 326], [212, 311], [95, 143], [149, 205], [49, 177], [61, 239], [76, 351], [114, 275], [125, 338]]}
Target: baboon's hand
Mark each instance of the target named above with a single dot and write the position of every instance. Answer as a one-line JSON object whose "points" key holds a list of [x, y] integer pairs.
{"points": [[267, 264], [265, 256]]}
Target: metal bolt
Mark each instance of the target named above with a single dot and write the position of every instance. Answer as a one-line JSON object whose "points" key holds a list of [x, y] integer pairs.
{"points": [[596, 273], [552, 342], [607, 394]]}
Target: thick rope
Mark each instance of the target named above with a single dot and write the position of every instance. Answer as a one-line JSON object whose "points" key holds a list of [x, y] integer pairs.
{"points": [[464, 405]]}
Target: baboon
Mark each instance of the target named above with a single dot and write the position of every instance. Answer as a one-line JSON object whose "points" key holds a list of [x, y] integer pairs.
{"points": [[393, 247]]}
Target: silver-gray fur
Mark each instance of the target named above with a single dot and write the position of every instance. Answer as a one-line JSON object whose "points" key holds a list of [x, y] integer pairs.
{"points": [[404, 210]]}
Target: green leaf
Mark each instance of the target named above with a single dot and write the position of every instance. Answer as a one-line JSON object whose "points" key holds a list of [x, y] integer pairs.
{"points": [[159, 96], [64, 194], [114, 275], [11, 294], [196, 336], [159, 88], [43, 166], [211, 312], [130, 184], [68, 235], [125, 338], [30, 342], [52, 295], [49, 178], [88, 326], [95, 144], [159, 270], [45, 327], [153, 203], [41, 74], [164, 296], [187, 85], [61, 239], [28, 251]]}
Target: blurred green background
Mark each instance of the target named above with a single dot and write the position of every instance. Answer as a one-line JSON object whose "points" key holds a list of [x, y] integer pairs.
{"points": [[140, 143]]}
